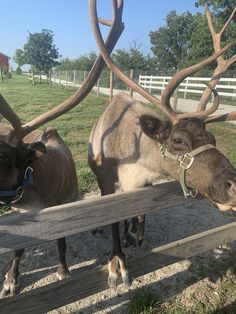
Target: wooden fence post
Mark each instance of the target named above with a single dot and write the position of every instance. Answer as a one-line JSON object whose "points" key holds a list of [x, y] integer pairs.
{"points": [[98, 87], [111, 85], [66, 78], [175, 101], [1, 75], [32, 77], [49, 77], [163, 84], [131, 91], [186, 88], [74, 77], [150, 85], [85, 74]]}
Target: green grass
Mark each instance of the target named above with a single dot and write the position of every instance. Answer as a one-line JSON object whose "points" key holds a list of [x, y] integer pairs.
{"points": [[212, 290], [144, 301]]}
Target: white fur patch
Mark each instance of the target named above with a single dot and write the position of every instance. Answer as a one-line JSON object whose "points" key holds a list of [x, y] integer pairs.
{"points": [[132, 176]]}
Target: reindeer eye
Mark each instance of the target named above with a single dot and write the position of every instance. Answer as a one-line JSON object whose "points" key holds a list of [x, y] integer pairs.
{"points": [[177, 140]]}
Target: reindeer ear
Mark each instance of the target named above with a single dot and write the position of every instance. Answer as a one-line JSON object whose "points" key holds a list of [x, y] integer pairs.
{"points": [[27, 153], [38, 148], [155, 128]]}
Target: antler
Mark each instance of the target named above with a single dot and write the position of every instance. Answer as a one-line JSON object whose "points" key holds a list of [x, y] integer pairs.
{"points": [[117, 71], [181, 75], [9, 114], [164, 103], [222, 64], [20, 131], [231, 116], [222, 67]]}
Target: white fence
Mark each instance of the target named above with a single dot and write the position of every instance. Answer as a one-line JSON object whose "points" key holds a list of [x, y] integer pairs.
{"points": [[192, 85]]}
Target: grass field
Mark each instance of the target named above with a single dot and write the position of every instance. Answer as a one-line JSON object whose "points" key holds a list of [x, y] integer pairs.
{"points": [[29, 101]]}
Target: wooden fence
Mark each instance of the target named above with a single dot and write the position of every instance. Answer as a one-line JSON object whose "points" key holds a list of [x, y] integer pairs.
{"points": [[193, 85], [23, 230]]}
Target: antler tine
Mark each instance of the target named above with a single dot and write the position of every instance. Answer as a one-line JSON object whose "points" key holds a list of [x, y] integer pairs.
{"points": [[117, 28], [231, 116], [181, 75], [203, 114], [105, 22], [119, 73], [9, 114], [222, 64], [229, 20]]}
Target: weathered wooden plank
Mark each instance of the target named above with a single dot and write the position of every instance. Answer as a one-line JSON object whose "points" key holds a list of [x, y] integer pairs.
{"points": [[24, 230], [90, 282]]}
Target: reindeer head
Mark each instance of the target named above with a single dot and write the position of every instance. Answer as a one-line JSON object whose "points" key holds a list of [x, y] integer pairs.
{"points": [[188, 150], [15, 168]]}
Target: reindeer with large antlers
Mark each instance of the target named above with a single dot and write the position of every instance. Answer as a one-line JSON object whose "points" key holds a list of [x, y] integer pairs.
{"points": [[132, 145], [27, 153]]}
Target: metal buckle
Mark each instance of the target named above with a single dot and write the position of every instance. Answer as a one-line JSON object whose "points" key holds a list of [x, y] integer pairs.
{"points": [[162, 149], [186, 161]]}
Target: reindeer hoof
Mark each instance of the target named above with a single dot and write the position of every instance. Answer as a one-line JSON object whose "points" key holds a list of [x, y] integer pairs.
{"points": [[10, 285], [127, 280], [112, 281], [63, 272], [97, 232]]}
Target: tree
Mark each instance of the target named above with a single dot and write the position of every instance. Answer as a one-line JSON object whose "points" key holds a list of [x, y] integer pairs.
{"points": [[221, 8], [19, 57], [200, 42], [40, 52], [185, 40], [133, 59], [170, 43], [85, 62], [82, 63]]}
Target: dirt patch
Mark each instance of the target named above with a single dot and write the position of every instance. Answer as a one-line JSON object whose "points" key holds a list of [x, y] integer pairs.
{"points": [[86, 251]]}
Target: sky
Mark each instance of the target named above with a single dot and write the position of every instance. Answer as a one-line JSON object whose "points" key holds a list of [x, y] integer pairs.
{"points": [[69, 21]]}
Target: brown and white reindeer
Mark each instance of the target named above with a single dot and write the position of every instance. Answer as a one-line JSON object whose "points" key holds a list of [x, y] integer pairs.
{"points": [[133, 145], [27, 153]]}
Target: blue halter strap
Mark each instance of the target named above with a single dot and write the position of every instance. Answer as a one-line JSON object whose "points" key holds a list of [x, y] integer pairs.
{"points": [[17, 193]]}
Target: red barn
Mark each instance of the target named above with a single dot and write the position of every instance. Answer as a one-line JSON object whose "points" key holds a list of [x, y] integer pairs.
{"points": [[4, 61]]}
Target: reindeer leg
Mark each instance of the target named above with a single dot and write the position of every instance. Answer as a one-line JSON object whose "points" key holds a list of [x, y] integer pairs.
{"points": [[11, 282], [134, 231], [117, 261], [134, 228], [62, 271]]}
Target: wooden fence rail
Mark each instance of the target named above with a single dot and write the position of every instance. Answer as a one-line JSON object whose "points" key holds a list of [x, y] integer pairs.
{"points": [[23, 230]]}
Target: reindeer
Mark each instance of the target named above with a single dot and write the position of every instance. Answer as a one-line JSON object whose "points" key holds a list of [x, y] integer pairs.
{"points": [[27, 153], [132, 145]]}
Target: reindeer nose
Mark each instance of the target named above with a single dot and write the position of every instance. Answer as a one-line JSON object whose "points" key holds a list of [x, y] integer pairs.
{"points": [[231, 185]]}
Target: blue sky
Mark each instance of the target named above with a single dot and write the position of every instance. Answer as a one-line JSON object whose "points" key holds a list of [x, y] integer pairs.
{"points": [[69, 20]]}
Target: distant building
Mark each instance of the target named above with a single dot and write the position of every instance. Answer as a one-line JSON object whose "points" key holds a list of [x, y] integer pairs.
{"points": [[4, 61]]}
